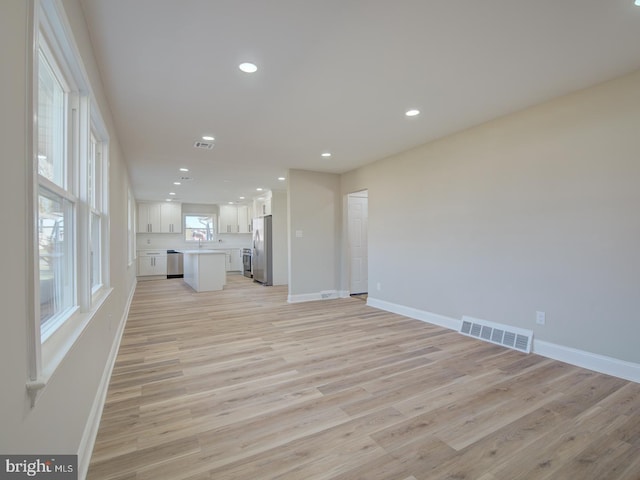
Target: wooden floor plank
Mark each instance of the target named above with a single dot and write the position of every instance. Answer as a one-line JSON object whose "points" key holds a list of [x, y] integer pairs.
{"points": [[240, 384]]}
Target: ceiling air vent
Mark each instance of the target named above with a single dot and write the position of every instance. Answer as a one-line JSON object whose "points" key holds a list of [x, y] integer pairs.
{"points": [[203, 145], [505, 335]]}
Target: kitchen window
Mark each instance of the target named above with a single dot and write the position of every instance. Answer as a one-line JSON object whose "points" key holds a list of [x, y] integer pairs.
{"points": [[199, 228]]}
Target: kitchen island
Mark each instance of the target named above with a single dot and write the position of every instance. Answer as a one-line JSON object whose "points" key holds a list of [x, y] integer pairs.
{"points": [[204, 270]]}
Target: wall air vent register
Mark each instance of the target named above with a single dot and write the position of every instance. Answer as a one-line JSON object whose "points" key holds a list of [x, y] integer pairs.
{"points": [[515, 338]]}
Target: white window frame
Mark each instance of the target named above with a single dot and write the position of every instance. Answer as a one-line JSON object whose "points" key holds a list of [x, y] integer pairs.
{"points": [[48, 346], [67, 191], [98, 202]]}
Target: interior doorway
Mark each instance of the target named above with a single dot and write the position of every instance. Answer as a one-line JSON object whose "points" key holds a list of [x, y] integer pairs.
{"points": [[358, 222]]}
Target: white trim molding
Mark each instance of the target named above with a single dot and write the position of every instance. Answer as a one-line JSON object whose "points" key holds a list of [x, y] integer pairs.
{"points": [[423, 315], [312, 297], [592, 361], [580, 358]]}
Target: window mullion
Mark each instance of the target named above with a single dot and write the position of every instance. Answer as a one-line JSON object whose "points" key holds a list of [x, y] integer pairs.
{"points": [[81, 162]]}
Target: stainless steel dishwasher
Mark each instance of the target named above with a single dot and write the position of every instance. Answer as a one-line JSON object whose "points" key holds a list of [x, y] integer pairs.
{"points": [[175, 264]]}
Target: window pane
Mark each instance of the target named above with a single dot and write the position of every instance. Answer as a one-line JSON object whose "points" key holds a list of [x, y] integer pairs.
{"points": [[91, 181], [55, 257], [50, 124], [199, 228], [96, 271]]}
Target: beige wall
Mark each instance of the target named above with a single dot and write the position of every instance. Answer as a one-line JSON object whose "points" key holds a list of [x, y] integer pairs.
{"points": [[58, 421], [533, 211], [279, 238], [314, 207]]}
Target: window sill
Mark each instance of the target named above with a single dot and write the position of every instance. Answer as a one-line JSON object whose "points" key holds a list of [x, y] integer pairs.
{"points": [[60, 342]]}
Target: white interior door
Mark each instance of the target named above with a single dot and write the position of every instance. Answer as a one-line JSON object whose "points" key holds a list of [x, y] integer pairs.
{"points": [[358, 223]]}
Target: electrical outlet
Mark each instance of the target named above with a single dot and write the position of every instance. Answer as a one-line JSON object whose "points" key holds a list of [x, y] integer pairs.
{"points": [[148, 241], [541, 318]]}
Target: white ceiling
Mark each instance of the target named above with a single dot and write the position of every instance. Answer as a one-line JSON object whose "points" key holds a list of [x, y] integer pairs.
{"points": [[334, 75]]}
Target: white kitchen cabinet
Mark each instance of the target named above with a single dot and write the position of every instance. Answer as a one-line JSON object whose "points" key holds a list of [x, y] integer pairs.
{"points": [[149, 218], [152, 263], [235, 264], [233, 259], [244, 219], [227, 260], [234, 219], [171, 217], [228, 219], [159, 217]]}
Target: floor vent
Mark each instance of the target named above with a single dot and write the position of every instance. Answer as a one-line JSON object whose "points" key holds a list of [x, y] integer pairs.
{"points": [[516, 338], [203, 145]]}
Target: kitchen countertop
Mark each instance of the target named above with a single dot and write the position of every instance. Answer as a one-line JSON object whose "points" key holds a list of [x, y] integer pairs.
{"points": [[202, 251]]}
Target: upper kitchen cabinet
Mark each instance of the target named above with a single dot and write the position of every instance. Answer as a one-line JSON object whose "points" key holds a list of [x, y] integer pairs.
{"points": [[159, 218], [170, 217], [149, 217], [234, 219], [244, 219]]}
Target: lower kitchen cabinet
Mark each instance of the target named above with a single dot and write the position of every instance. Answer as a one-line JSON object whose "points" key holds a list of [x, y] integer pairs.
{"points": [[236, 260], [233, 260], [151, 264]]}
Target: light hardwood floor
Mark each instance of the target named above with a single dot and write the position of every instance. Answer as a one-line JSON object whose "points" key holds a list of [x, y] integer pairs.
{"points": [[239, 384]]}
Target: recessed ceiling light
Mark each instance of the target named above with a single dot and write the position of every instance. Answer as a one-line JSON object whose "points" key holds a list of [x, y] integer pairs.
{"points": [[184, 169], [241, 198], [177, 183], [247, 67], [326, 154], [172, 193], [258, 189], [168, 199], [208, 138], [282, 179], [230, 203], [412, 113]]}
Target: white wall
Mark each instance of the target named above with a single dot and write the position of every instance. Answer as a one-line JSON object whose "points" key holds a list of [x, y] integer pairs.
{"points": [[314, 206], [58, 421], [533, 211]]}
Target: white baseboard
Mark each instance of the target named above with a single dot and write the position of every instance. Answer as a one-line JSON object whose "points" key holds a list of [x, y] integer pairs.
{"points": [[423, 315], [93, 422], [591, 361], [580, 358], [312, 297]]}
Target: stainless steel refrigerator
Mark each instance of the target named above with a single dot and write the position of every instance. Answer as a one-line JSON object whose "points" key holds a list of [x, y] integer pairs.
{"points": [[262, 263]]}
